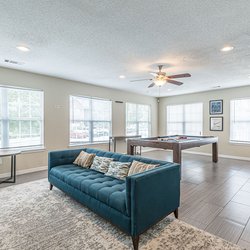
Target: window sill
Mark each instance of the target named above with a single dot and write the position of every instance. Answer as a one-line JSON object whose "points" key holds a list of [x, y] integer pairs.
{"points": [[88, 143], [29, 150], [238, 143]]}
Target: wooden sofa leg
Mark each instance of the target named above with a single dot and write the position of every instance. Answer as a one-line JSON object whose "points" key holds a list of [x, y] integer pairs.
{"points": [[50, 186], [135, 240], [176, 213]]}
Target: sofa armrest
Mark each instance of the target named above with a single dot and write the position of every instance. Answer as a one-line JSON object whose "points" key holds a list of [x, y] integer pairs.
{"points": [[152, 195], [62, 157]]}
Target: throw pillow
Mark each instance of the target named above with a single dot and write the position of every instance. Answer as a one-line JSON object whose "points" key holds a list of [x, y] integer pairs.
{"points": [[138, 167], [84, 159], [101, 164], [118, 169]]}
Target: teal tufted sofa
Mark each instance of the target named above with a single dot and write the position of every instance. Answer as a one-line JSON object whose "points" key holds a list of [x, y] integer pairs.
{"points": [[134, 205]]}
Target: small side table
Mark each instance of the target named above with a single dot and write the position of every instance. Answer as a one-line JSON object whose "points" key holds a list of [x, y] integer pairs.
{"points": [[114, 139], [12, 154]]}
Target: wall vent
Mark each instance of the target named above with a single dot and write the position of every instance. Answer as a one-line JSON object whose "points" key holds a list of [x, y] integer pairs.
{"points": [[13, 62]]}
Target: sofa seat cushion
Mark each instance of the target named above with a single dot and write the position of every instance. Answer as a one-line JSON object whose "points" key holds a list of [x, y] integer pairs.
{"points": [[104, 188]]}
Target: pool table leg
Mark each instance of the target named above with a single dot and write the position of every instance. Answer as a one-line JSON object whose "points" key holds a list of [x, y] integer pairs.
{"points": [[215, 151], [177, 154], [130, 149]]}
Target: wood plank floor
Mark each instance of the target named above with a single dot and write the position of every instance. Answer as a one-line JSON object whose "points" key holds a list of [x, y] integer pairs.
{"points": [[215, 197]]}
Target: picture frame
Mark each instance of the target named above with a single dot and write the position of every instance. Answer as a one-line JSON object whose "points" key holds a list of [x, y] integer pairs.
{"points": [[216, 107], [216, 123]]}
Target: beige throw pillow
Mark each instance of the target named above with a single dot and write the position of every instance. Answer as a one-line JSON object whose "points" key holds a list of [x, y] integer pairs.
{"points": [[118, 169], [138, 167], [101, 164], [84, 159]]}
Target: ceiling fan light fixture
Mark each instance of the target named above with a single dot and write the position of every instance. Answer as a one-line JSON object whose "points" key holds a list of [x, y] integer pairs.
{"points": [[159, 82]]}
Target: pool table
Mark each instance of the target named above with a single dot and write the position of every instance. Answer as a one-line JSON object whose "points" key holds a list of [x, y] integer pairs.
{"points": [[176, 143]]}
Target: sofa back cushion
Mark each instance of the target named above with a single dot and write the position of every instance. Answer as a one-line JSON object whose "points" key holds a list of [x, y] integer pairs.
{"points": [[125, 158], [138, 167], [101, 164], [84, 159], [118, 169]]}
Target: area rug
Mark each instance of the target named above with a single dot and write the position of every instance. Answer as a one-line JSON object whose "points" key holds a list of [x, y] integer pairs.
{"points": [[32, 217]]}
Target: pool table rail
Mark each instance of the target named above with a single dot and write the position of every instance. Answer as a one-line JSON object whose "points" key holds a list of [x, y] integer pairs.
{"points": [[175, 145]]}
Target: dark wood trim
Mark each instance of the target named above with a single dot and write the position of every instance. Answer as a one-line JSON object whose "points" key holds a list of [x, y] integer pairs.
{"points": [[176, 213], [176, 146], [177, 153], [135, 240], [215, 151], [50, 186]]}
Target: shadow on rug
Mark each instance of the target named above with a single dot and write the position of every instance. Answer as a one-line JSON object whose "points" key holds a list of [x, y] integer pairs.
{"points": [[32, 217]]}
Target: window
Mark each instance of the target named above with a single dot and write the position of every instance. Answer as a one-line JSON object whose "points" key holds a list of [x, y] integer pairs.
{"points": [[21, 118], [138, 119], [185, 119], [240, 120], [90, 120]]}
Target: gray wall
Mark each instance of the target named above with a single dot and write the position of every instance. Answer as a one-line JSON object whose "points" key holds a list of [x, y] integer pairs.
{"points": [[56, 111], [225, 147]]}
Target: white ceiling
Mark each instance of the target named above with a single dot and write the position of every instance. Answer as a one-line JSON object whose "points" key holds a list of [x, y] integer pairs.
{"points": [[96, 41]]}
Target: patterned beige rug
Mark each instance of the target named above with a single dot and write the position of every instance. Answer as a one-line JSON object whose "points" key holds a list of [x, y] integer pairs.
{"points": [[32, 217]]}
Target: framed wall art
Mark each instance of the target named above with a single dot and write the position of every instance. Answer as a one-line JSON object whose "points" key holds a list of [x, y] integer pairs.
{"points": [[216, 107], [216, 123]]}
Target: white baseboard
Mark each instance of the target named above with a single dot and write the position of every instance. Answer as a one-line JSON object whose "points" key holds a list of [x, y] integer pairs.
{"points": [[32, 170], [25, 171], [234, 157], [220, 155]]}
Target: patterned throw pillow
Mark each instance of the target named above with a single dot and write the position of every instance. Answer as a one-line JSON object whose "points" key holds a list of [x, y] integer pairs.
{"points": [[118, 169], [101, 164], [138, 167], [84, 159]]}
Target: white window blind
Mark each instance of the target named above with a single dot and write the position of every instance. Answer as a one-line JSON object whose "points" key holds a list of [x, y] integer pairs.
{"points": [[185, 119], [240, 120], [138, 119], [21, 118], [90, 119]]}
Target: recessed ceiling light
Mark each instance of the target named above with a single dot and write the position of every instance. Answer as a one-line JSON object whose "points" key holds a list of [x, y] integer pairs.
{"points": [[121, 76], [23, 48], [168, 89], [227, 48]]}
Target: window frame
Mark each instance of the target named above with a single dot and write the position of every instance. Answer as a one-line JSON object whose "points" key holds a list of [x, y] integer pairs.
{"points": [[139, 122], [91, 131], [37, 147], [247, 143], [183, 117]]}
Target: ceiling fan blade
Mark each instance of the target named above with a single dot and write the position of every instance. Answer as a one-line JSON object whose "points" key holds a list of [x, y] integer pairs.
{"points": [[153, 73], [151, 85], [141, 80], [175, 82], [179, 76]]}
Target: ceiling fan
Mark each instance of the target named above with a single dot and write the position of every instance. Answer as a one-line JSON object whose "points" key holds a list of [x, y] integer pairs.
{"points": [[160, 78]]}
